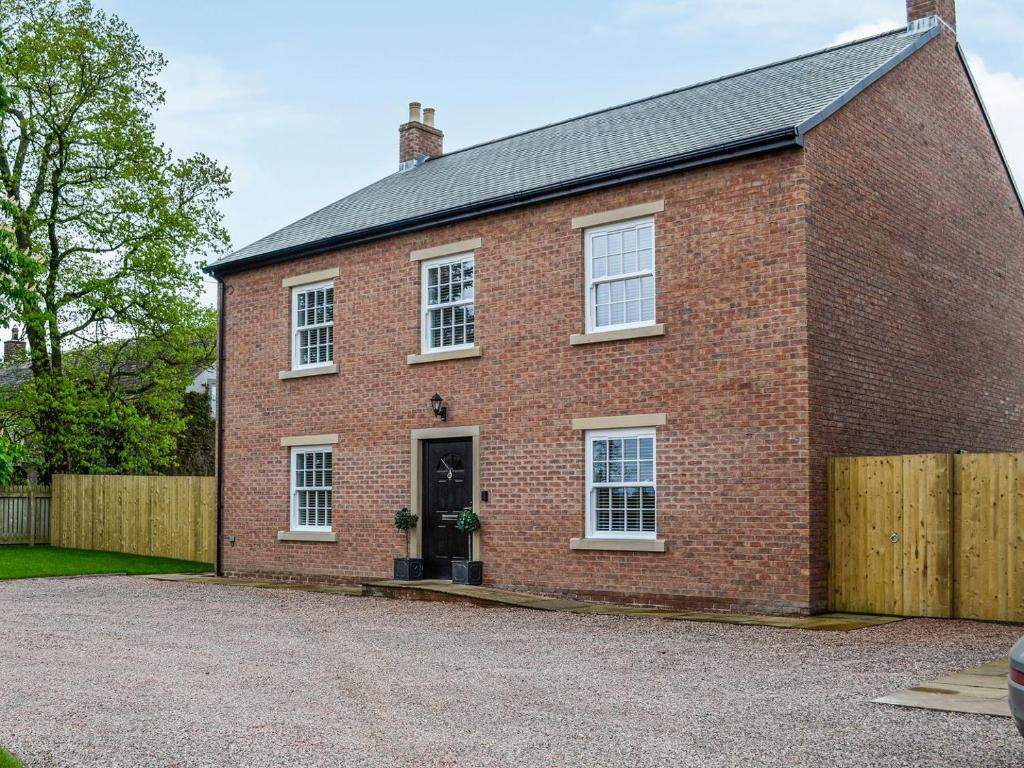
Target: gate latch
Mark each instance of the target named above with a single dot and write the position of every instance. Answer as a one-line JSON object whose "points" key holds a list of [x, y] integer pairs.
{"points": [[894, 537]]}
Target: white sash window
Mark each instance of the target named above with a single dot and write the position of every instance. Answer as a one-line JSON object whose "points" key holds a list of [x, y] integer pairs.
{"points": [[449, 320], [313, 325], [621, 486], [312, 488], [620, 275]]}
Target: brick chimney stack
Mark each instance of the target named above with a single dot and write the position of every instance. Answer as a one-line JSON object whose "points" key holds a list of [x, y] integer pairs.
{"points": [[418, 137], [15, 347], [922, 9]]}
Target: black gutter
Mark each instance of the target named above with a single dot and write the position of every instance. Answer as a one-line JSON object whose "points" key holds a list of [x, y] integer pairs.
{"points": [[774, 140], [221, 308]]}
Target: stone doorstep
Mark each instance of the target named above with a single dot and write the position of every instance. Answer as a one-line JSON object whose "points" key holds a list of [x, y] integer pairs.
{"points": [[978, 691], [431, 589]]}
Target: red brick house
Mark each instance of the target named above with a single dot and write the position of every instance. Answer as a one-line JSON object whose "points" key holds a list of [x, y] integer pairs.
{"points": [[650, 326]]}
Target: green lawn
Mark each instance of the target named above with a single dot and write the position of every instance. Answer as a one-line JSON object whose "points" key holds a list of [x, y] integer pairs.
{"points": [[7, 760], [19, 561]]}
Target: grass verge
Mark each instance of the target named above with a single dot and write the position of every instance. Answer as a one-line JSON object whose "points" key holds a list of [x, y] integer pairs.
{"points": [[7, 760], [19, 561]]}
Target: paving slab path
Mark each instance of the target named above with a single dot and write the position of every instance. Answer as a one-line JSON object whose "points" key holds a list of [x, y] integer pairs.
{"points": [[978, 690]]}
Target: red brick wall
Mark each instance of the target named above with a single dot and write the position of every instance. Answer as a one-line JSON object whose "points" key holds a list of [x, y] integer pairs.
{"points": [[730, 373], [916, 277], [419, 139]]}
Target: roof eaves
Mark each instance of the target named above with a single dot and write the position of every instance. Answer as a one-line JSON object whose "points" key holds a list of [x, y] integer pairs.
{"points": [[771, 141], [874, 76]]}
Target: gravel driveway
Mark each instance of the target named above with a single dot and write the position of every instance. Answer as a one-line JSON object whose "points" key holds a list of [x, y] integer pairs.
{"points": [[119, 671]]}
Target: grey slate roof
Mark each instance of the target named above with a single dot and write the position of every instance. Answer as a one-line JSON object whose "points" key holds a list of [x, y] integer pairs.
{"points": [[790, 95]]}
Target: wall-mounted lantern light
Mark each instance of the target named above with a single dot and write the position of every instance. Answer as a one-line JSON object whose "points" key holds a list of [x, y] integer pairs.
{"points": [[440, 409]]}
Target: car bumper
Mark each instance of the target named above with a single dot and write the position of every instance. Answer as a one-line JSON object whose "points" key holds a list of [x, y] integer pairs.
{"points": [[1017, 704]]}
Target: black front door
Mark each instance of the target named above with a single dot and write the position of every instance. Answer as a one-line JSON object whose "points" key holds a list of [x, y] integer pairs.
{"points": [[447, 490]]}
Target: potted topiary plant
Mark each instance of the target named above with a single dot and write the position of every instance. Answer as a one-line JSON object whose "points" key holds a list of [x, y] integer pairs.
{"points": [[407, 568], [468, 571]]}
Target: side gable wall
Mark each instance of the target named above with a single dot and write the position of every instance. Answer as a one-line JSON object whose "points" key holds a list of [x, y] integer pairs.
{"points": [[915, 265]]}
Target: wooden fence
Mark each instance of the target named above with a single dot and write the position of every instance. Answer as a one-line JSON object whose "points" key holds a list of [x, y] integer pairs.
{"points": [[17, 526], [928, 535], [159, 516]]}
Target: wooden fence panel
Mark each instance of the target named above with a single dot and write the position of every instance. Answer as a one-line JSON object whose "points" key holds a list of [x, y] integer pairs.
{"points": [[16, 526], [989, 527], [158, 516]]}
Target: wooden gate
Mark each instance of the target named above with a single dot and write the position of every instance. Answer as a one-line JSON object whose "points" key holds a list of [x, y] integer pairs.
{"points": [[890, 521], [928, 535]]}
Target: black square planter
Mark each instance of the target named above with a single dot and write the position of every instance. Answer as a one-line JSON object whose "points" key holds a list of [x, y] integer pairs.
{"points": [[467, 571], [408, 568]]}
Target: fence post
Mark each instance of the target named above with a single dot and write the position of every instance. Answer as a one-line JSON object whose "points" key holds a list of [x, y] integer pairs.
{"points": [[31, 515], [33, 476]]}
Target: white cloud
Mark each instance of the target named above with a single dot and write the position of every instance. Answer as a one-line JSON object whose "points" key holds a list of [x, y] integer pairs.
{"points": [[1003, 94], [862, 31]]}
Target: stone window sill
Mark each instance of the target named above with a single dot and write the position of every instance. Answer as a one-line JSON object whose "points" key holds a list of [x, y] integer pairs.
{"points": [[436, 357], [619, 545], [324, 536], [301, 373], [645, 331]]}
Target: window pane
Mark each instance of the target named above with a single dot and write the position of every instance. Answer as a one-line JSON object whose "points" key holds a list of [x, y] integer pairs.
{"points": [[646, 448], [629, 241], [633, 312]]}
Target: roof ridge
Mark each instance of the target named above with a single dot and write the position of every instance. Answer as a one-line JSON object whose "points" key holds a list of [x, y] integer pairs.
{"points": [[702, 83]]}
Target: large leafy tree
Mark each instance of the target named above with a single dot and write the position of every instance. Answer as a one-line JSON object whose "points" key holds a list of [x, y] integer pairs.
{"points": [[101, 224]]}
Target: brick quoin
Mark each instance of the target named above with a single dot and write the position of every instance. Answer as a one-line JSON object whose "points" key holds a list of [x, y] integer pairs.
{"points": [[859, 295]]}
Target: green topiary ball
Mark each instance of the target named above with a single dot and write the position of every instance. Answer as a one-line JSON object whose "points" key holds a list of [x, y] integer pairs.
{"points": [[405, 520], [468, 521]]}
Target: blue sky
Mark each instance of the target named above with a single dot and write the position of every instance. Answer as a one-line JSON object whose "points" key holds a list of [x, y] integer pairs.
{"points": [[302, 100]]}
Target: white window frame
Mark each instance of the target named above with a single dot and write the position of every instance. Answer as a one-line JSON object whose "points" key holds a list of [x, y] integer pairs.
{"points": [[591, 487], [425, 307], [295, 451], [296, 365], [592, 283]]}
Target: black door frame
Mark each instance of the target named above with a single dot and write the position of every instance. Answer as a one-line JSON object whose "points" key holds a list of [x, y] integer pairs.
{"points": [[418, 437]]}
